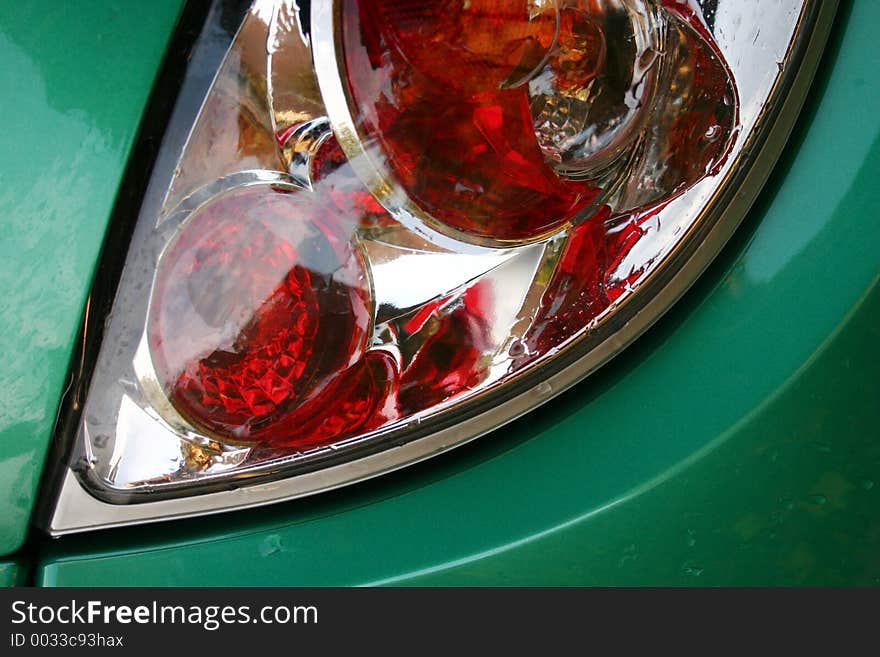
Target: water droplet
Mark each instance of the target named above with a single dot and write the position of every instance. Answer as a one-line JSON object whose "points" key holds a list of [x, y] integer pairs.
{"points": [[84, 464], [691, 541], [787, 503], [270, 545], [713, 132], [129, 386], [690, 569], [866, 484], [543, 389], [817, 499], [629, 554], [822, 447]]}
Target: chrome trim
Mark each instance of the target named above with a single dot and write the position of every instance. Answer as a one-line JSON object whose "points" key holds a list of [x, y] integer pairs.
{"points": [[76, 510]]}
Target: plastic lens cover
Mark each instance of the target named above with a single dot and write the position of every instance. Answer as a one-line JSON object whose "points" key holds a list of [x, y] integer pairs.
{"points": [[396, 225]]}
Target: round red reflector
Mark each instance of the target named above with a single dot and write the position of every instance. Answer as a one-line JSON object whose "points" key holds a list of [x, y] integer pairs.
{"points": [[257, 303]]}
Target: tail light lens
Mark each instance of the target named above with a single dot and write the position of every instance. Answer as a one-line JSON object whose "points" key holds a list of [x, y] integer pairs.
{"points": [[398, 224], [500, 121], [259, 302]]}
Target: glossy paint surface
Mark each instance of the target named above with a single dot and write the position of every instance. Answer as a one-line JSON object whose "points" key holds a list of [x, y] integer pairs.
{"points": [[12, 573], [738, 442], [75, 81]]}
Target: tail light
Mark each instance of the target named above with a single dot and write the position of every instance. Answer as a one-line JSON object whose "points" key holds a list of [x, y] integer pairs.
{"points": [[398, 224]]}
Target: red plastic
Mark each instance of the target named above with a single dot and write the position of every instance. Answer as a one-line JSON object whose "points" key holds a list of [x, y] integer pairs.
{"points": [[356, 400], [450, 360], [254, 309], [437, 86]]}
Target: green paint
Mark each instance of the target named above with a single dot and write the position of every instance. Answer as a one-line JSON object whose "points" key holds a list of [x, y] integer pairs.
{"points": [[735, 443], [76, 77], [12, 573], [788, 496]]}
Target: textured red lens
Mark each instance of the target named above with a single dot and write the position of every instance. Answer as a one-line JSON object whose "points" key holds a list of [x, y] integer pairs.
{"points": [[358, 399], [256, 305], [453, 359], [576, 294], [465, 45], [440, 86]]}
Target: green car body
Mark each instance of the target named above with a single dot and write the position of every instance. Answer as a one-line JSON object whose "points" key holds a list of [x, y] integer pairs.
{"points": [[735, 443]]}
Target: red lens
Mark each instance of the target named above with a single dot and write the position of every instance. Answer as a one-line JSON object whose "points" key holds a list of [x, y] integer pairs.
{"points": [[454, 358], [256, 304], [439, 86]]}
